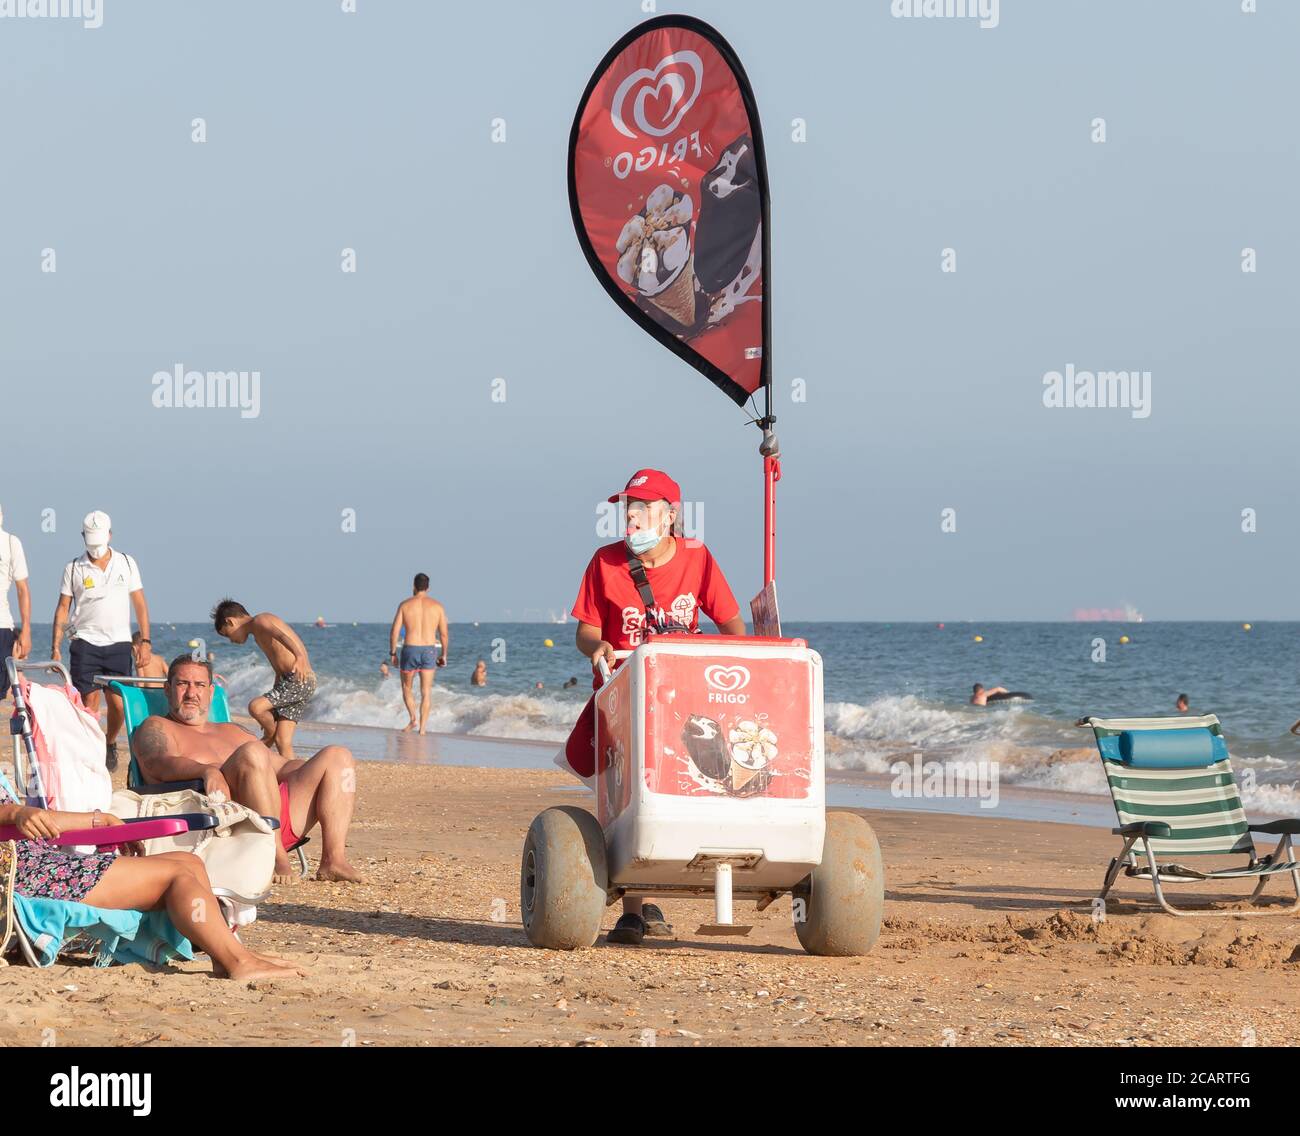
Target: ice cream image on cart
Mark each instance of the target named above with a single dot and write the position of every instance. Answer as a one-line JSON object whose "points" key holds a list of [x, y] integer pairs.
{"points": [[735, 761]]}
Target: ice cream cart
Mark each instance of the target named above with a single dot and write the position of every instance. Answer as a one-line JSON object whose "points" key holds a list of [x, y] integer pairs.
{"points": [[710, 783]]}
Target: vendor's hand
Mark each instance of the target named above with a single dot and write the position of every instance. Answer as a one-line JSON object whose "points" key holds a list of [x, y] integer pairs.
{"points": [[214, 785], [23, 647], [36, 823], [54, 652], [146, 653], [603, 651]]}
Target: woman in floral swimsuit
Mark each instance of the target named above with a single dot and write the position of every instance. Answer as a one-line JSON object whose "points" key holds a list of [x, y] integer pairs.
{"points": [[176, 882]]}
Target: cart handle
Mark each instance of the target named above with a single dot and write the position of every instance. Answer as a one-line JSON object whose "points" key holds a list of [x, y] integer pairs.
{"points": [[605, 673]]}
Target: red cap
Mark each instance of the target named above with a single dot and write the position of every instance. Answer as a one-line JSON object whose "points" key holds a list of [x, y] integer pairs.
{"points": [[650, 485]]}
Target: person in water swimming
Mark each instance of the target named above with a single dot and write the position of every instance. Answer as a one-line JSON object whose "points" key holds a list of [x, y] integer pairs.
{"points": [[1182, 705], [980, 696]]}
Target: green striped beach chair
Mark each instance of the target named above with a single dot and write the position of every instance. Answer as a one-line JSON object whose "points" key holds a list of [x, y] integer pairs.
{"points": [[1175, 796]]}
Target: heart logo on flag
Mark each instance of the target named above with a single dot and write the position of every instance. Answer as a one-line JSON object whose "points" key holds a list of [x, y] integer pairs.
{"points": [[681, 84], [727, 679]]}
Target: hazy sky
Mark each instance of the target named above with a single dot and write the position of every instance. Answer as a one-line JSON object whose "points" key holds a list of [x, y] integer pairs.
{"points": [[328, 130]]}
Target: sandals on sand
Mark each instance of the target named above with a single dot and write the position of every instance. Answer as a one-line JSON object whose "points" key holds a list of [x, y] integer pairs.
{"points": [[631, 929], [656, 926]]}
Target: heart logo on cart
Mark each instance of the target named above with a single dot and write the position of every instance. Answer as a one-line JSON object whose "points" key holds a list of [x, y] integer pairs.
{"points": [[727, 679]]}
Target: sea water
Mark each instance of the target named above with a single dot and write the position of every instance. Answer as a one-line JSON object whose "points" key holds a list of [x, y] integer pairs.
{"points": [[892, 690]]}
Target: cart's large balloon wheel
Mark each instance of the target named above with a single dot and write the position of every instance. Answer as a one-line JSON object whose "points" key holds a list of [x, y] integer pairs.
{"points": [[563, 880], [838, 906]]}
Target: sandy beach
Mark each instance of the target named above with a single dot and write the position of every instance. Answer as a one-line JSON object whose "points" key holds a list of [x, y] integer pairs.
{"points": [[987, 941]]}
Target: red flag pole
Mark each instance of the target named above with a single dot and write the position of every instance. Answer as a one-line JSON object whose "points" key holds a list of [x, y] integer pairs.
{"points": [[771, 451]]}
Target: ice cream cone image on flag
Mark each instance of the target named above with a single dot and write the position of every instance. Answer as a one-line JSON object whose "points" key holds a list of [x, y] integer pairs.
{"points": [[655, 255], [678, 299]]}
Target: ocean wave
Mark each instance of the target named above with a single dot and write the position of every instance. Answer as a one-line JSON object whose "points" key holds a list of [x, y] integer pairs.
{"points": [[906, 719], [1028, 753], [346, 702]]}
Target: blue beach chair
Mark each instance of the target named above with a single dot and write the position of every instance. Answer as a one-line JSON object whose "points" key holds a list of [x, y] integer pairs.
{"points": [[143, 697], [1175, 796]]}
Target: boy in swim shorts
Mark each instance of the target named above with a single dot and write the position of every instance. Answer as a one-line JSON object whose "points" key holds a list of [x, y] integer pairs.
{"points": [[281, 708]]}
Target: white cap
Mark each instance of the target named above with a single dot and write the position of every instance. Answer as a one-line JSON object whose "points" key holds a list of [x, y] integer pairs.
{"points": [[96, 524]]}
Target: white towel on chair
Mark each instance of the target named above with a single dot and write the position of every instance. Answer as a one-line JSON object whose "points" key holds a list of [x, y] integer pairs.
{"points": [[70, 751]]}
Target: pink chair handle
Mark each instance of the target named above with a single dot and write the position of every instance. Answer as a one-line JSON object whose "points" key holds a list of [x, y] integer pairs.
{"points": [[118, 834]]}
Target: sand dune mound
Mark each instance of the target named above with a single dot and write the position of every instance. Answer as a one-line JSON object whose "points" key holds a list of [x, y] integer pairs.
{"points": [[1160, 940]]}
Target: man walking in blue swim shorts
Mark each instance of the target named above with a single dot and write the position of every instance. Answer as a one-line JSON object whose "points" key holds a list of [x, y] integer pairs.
{"points": [[423, 622]]}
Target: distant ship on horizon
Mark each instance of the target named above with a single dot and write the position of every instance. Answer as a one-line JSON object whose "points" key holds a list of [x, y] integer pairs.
{"points": [[1126, 614]]}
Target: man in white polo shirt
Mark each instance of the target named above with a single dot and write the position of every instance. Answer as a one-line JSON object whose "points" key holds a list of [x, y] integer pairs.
{"points": [[101, 587], [13, 570]]}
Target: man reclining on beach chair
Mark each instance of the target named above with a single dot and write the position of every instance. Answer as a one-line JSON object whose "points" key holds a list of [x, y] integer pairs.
{"points": [[185, 746]]}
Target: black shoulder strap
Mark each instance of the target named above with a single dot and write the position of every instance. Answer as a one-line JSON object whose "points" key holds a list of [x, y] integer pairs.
{"points": [[642, 582], [657, 622]]}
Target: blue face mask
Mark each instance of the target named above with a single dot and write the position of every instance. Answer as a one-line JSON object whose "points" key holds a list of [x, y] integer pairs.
{"points": [[642, 541]]}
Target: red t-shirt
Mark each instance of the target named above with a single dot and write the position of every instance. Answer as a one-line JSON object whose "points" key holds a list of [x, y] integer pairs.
{"points": [[690, 583]]}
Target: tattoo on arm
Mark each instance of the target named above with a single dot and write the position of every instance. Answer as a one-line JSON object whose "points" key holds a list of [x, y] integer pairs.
{"points": [[151, 742]]}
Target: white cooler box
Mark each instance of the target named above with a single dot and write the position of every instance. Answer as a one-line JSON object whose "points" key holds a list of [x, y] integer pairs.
{"points": [[709, 751]]}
